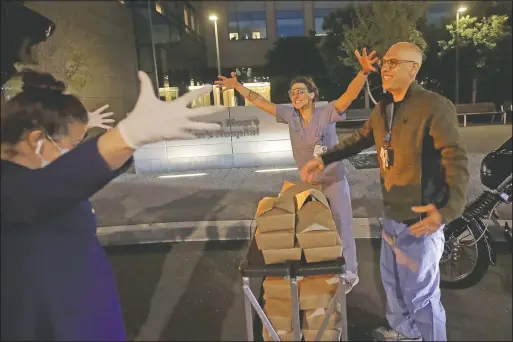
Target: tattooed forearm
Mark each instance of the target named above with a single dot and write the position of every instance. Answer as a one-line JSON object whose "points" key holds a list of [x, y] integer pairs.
{"points": [[252, 96]]}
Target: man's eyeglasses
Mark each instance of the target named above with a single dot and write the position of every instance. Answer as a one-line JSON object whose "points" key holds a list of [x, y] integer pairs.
{"points": [[299, 92], [392, 63]]}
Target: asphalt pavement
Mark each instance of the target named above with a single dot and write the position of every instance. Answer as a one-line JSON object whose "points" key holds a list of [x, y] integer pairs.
{"points": [[192, 292]]}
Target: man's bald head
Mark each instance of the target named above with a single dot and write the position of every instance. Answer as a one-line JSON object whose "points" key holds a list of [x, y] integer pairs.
{"points": [[406, 51], [400, 67]]}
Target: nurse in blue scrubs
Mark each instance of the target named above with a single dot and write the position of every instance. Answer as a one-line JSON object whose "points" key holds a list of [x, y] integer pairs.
{"points": [[312, 132]]}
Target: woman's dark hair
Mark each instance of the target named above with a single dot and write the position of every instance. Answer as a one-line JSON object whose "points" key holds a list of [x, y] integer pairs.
{"points": [[41, 104], [309, 83]]}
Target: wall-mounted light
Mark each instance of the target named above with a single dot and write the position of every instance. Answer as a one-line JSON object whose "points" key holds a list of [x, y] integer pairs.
{"points": [[184, 175], [277, 170]]}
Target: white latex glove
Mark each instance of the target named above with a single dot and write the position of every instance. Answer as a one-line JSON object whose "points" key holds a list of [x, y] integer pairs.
{"points": [[97, 119], [154, 120]]}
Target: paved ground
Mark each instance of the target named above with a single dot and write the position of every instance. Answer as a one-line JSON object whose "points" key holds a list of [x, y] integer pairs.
{"points": [[233, 194], [191, 292]]}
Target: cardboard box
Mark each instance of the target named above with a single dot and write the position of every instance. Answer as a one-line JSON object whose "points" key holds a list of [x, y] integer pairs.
{"points": [[278, 256], [328, 335], [277, 288], [318, 254], [312, 319], [279, 313], [274, 213], [283, 335], [280, 239], [290, 189], [315, 224], [317, 291]]}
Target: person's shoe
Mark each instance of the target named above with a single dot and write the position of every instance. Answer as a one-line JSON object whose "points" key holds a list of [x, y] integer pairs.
{"points": [[351, 281], [386, 334]]}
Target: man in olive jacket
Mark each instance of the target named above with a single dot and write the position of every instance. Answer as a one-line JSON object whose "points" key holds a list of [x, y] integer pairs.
{"points": [[424, 177]]}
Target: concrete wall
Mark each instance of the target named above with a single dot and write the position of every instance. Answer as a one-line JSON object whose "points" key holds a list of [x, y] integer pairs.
{"points": [[103, 31], [249, 137]]}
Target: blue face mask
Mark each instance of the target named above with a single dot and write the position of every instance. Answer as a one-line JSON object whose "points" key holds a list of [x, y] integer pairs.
{"points": [[45, 162]]}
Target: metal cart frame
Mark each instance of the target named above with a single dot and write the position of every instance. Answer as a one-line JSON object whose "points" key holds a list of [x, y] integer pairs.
{"points": [[253, 266]]}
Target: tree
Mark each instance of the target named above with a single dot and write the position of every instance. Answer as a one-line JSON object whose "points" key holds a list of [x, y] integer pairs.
{"points": [[293, 56], [477, 41], [368, 25], [297, 56]]}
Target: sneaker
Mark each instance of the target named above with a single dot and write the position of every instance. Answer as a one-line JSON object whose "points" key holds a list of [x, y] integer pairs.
{"points": [[351, 281], [386, 334]]}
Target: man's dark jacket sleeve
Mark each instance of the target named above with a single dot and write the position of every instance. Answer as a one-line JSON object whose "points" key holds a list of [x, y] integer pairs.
{"points": [[356, 143], [445, 133]]}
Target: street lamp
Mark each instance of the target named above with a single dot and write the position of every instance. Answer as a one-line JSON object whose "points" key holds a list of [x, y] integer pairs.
{"points": [[213, 18], [457, 96]]}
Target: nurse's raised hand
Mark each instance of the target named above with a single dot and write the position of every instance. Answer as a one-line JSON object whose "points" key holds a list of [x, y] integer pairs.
{"points": [[227, 83], [97, 118], [154, 120], [311, 170], [366, 61]]}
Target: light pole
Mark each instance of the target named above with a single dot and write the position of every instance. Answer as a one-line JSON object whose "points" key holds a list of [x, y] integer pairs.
{"points": [[213, 17], [457, 95]]}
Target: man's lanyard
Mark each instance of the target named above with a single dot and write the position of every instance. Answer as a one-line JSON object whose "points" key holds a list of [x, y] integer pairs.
{"points": [[387, 155], [388, 134]]}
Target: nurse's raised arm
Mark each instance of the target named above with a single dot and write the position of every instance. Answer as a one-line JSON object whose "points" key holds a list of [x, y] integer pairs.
{"points": [[254, 98], [354, 88]]}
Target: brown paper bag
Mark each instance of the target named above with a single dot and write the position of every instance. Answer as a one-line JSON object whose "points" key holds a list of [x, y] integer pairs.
{"points": [[280, 239], [315, 224], [283, 335], [328, 335], [278, 256], [318, 254], [317, 291], [290, 189], [312, 319], [274, 213], [277, 288], [279, 313]]}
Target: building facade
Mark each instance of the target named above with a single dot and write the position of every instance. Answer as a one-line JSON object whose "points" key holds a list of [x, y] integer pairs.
{"points": [[96, 39], [248, 29]]}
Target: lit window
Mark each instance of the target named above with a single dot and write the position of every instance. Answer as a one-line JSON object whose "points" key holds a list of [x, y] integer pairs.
{"points": [[192, 22], [245, 19], [186, 16], [158, 8]]}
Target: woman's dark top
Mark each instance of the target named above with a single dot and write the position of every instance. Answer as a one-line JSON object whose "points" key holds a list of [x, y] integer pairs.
{"points": [[57, 283]]}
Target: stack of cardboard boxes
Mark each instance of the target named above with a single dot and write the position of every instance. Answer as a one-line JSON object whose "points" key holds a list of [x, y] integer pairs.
{"points": [[278, 308], [315, 296], [316, 231], [275, 233], [298, 219]]}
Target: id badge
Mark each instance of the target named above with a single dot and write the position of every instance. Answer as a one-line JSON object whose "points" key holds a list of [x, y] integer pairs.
{"points": [[319, 149]]}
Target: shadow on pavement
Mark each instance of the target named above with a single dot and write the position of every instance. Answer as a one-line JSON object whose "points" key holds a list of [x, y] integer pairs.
{"points": [[207, 284]]}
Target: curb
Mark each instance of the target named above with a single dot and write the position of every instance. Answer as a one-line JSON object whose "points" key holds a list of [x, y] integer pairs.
{"points": [[364, 228]]}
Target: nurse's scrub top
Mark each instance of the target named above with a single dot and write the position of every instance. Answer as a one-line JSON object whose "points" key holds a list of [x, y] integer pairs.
{"points": [[57, 283], [321, 131]]}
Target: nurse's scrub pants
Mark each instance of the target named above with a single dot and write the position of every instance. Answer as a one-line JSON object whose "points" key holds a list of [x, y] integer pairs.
{"points": [[410, 274], [340, 202]]}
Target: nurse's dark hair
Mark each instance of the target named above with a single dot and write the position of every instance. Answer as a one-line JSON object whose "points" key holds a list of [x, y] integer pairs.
{"points": [[41, 104], [309, 83]]}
